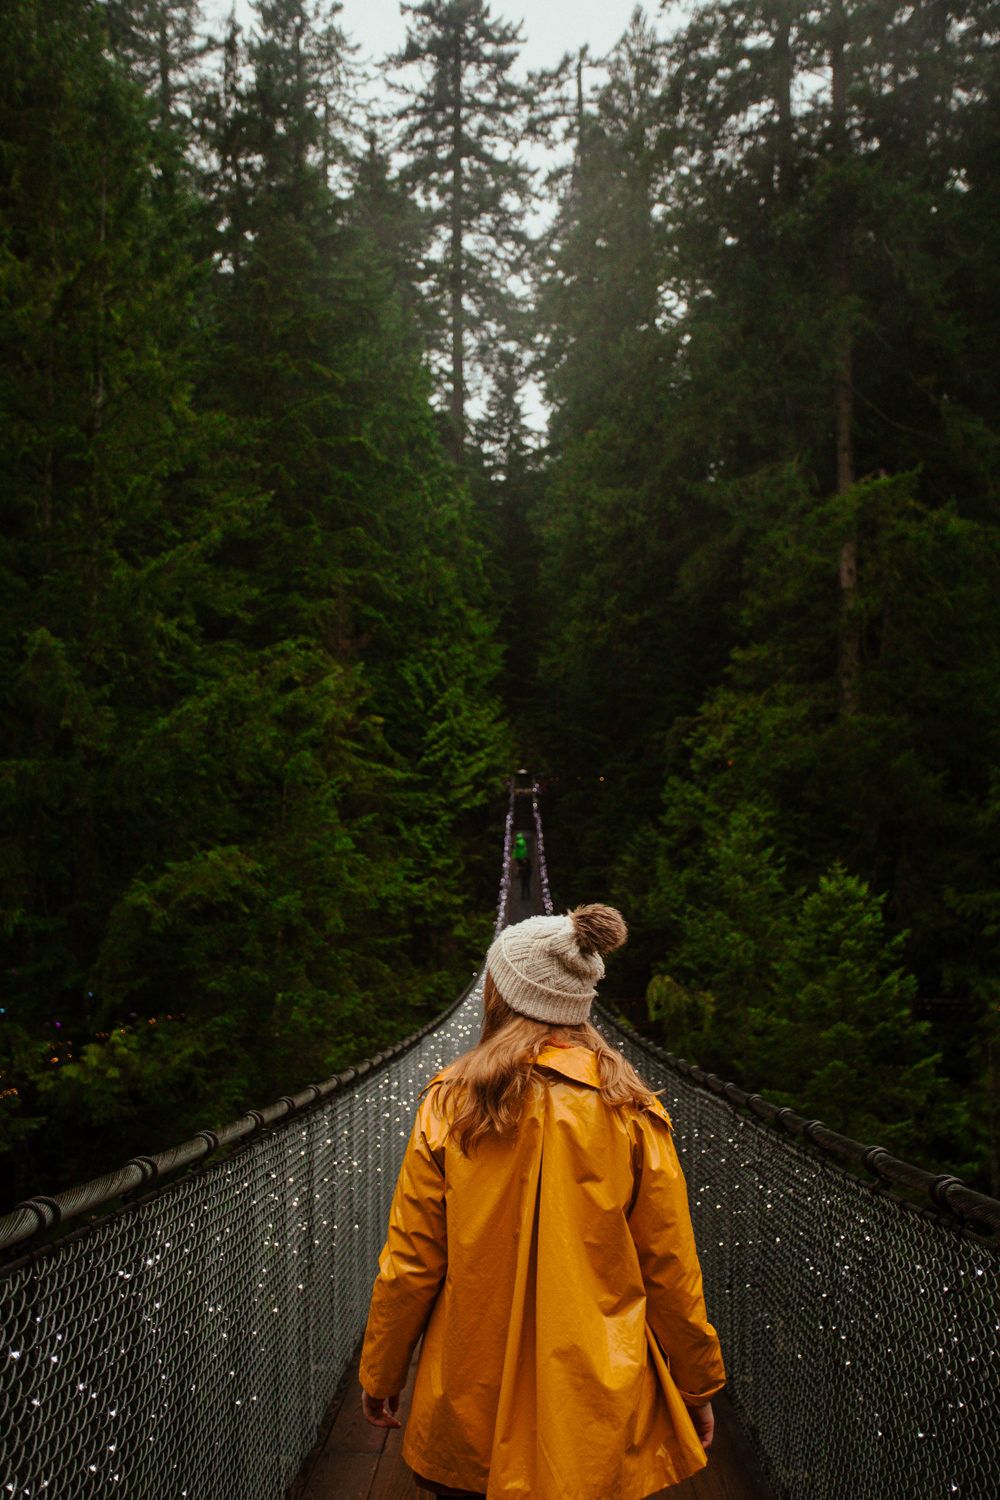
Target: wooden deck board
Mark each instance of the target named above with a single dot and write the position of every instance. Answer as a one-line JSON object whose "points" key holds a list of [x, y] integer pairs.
{"points": [[360, 1462]]}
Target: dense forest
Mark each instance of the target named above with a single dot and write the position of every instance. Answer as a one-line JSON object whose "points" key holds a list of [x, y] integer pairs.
{"points": [[290, 575]]}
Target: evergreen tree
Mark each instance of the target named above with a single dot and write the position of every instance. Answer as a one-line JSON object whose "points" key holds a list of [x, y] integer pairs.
{"points": [[837, 1039], [800, 994], [889, 791], [628, 645], [507, 484], [249, 679], [818, 255], [400, 231], [600, 263], [363, 549], [460, 125], [797, 471], [160, 42], [118, 494]]}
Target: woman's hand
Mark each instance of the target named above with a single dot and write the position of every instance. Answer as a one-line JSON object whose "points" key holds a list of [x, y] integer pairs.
{"points": [[704, 1422], [378, 1409]]}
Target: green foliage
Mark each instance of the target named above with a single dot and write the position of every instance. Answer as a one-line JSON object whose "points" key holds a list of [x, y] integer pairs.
{"points": [[255, 623], [461, 118], [776, 791], [155, 1084], [729, 240], [836, 1038], [251, 733], [685, 1016], [801, 993]]}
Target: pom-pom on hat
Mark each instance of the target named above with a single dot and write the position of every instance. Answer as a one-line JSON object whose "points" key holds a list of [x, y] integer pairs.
{"points": [[548, 967]]}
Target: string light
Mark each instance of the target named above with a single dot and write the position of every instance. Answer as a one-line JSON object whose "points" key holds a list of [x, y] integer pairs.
{"points": [[543, 872], [503, 898]]}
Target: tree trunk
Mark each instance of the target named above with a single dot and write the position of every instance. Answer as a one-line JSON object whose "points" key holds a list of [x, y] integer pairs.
{"points": [[166, 93], [97, 396], [782, 55], [300, 100], [48, 462], [849, 665], [579, 94], [231, 156], [456, 267]]}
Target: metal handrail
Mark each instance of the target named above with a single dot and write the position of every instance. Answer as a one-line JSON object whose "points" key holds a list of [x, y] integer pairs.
{"points": [[949, 1196], [31, 1217]]}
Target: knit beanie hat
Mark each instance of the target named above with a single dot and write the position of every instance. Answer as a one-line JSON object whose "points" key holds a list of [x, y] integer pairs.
{"points": [[548, 967]]}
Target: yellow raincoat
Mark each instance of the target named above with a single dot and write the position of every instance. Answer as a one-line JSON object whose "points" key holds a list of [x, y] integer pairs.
{"points": [[555, 1280]]}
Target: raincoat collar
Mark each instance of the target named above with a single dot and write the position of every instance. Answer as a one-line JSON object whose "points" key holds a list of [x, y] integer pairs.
{"points": [[580, 1064], [577, 1063]]}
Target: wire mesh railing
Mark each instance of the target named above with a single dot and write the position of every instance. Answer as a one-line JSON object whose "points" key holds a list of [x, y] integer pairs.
{"points": [[543, 868], [503, 900], [188, 1343], [859, 1328]]}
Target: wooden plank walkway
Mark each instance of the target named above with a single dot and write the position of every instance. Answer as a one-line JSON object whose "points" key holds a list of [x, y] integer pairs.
{"points": [[356, 1461]]}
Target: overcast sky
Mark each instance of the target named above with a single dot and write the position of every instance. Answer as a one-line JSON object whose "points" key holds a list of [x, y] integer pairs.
{"points": [[550, 27]]}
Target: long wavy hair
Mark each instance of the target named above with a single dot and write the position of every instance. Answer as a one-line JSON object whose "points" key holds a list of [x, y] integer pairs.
{"points": [[488, 1085]]}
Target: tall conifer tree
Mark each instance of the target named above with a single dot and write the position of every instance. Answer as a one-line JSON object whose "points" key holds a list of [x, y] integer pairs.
{"points": [[817, 394], [250, 722], [364, 554], [118, 492], [161, 42], [460, 127]]}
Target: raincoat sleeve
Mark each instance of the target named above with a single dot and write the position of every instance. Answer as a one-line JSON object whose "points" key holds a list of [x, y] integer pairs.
{"points": [[412, 1263], [661, 1227]]}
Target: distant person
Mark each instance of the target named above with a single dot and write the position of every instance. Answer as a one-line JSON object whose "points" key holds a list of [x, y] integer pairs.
{"points": [[566, 1350], [522, 859]]}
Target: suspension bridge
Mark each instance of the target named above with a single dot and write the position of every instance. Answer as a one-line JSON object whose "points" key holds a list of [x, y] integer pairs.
{"points": [[188, 1327]]}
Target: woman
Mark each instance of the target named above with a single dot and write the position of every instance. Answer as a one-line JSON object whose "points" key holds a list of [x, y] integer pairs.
{"points": [[540, 1240]]}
